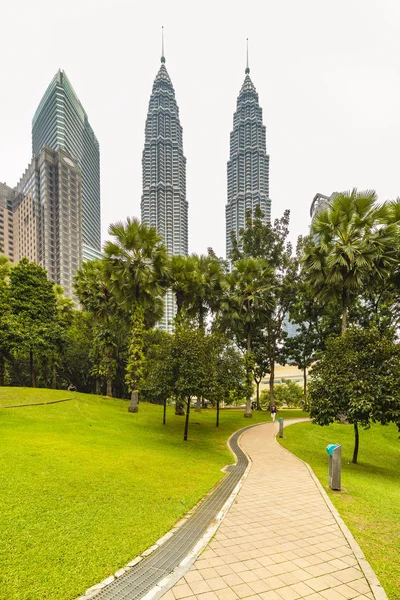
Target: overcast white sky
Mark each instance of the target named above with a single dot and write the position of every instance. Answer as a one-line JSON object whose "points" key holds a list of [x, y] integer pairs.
{"points": [[327, 74]]}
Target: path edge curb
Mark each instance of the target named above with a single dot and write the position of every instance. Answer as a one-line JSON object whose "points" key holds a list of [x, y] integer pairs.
{"points": [[169, 581], [369, 574]]}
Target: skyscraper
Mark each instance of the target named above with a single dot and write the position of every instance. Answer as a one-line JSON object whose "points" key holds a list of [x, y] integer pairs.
{"points": [[61, 122], [7, 230], [248, 165], [164, 204], [48, 216]]}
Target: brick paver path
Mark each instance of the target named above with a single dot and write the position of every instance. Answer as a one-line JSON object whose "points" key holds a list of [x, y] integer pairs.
{"points": [[279, 540]]}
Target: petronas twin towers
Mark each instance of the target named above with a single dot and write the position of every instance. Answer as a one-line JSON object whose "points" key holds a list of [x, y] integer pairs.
{"points": [[164, 203]]}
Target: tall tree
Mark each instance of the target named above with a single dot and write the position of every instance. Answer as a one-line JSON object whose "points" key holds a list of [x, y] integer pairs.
{"points": [[358, 376], [268, 241], [93, 288], [247, 304], [6, 326], [352, 247], [137, 267], [33, 306]]}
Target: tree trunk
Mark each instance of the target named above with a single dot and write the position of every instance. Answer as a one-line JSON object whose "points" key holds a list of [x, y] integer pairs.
{"points": [[2, 369], [258, 395], [133, 407], [179, 295], [179, 408], [271, 385], [165, 411], [198, 404], [344, 311], [217, 423], [305, 387], [109, 390], [356, 443], [32, 369], [54, 376], [185, 435], [98, 386]]}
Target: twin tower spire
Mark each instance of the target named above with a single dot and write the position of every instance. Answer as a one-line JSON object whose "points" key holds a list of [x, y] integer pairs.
{"points": [[164, 205]]}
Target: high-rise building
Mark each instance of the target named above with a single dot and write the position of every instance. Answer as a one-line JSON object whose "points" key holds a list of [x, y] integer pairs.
{"points": [[248, 165], [48, 216], [61, 123], [7, 233], [320, 202], [164, 204]]}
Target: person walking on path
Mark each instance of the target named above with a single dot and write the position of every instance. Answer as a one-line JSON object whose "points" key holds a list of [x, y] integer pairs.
{"points": [[274, 410]]}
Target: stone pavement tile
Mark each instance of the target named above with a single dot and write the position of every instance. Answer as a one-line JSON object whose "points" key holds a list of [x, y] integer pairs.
{"points": [[302, 574], [302, 588], [270, 596], [314, 596], [288, 594], [169, 595], [216, 562], [248, 576], [182, 591], [349, 574], [265, 561], [233, 579], [314, 559], [360, 586], [193, 575], [243, 590], [320, 569], [301, 563], [260, 586], [331, 594], [289, 578], [207, 596], [224, 570], [240, 566], [198, 587], [202, 563], [262, 572], [226, 594], [216, 584], [346, 591], [319, 583], [208, 573], [275, 582]]}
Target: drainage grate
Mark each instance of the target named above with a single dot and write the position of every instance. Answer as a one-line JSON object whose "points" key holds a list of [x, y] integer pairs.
{"points": [[139, 580]]}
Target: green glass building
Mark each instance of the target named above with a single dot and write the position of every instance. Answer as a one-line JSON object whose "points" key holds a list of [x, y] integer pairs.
{"points": [[61, 122]]}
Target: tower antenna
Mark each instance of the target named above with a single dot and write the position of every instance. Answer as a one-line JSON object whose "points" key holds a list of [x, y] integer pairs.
{"points": [[162, 45], [247, 57]]}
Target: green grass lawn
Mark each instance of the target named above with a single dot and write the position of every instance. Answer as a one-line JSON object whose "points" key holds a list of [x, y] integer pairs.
{"points": [[85, 486], [370, 504]]}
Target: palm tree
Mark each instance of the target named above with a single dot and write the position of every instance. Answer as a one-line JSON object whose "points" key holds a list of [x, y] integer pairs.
{"points": [[137, 266], [182, 279], [246, 307], [351, 248], [94, 291]]}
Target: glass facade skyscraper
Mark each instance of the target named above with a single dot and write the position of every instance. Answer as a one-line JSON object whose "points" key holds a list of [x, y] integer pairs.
{"points": [[164, 204], [248, 165], [61, 123]]}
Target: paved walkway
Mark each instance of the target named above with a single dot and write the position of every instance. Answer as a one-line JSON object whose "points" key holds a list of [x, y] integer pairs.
{"points": [[279, 540]]}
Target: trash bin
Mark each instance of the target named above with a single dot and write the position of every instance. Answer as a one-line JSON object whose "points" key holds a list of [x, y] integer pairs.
{"points": [[335, 466], [280, 421]]}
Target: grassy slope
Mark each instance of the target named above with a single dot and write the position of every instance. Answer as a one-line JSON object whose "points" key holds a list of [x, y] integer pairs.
{"points": [[86, 486], [370, 506]]}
